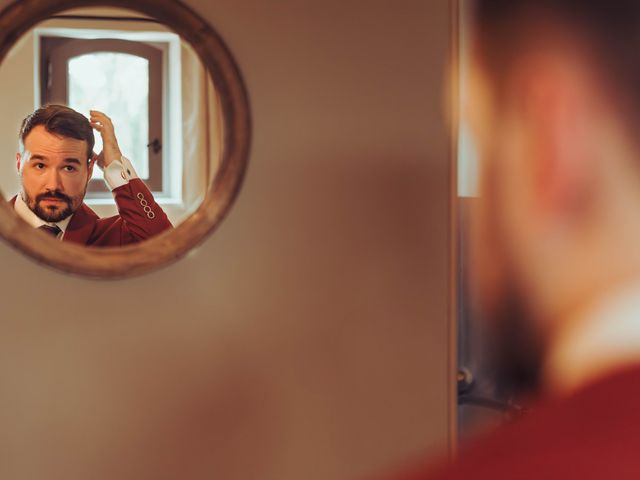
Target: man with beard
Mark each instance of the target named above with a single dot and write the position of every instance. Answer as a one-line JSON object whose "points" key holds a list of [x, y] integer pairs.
{"points": [[554, 105], [55, 166]]}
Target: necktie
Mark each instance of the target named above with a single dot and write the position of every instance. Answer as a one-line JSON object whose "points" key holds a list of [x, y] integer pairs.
{"points": [[53, 231]]}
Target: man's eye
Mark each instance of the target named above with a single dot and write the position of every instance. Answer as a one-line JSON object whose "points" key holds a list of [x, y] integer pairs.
{"points": [[40, 165], [69, 168]]}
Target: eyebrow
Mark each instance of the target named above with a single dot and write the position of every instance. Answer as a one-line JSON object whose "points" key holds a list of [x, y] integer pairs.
{"points": [[67, 160]]}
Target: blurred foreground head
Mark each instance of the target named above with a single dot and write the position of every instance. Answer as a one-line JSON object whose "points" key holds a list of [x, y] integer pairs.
{"points": [[554, 105]]}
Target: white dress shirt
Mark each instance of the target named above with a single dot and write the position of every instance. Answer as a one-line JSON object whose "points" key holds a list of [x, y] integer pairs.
{"points": [[117, 174]]}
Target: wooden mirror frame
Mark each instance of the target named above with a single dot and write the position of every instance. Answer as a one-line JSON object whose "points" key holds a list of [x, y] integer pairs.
{"points": [[119, 262]]}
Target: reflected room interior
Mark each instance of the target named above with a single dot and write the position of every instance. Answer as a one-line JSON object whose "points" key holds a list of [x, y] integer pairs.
{"points": [[152, 84]]}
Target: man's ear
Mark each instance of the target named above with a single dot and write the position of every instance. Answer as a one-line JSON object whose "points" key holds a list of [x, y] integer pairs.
{"points": [[91, 164], [18, 163]]}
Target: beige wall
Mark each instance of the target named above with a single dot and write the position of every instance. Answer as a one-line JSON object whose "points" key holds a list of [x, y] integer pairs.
{"points": [[308, 337]]}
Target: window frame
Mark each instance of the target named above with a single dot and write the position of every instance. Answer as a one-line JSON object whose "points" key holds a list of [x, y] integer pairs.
{"points": [[56, 52]]}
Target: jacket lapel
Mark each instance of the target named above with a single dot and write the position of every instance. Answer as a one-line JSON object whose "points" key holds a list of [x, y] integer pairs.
{"points": [[81, 226]]}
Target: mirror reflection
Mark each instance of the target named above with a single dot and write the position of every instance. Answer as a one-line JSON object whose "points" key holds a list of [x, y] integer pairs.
{"points": [[114, 125]]}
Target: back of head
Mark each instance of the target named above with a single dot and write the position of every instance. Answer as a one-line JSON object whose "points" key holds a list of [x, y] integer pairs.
{"points": [[60, 120], [610, 30]]}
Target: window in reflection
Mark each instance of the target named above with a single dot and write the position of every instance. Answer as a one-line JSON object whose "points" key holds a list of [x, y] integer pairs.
{"points": [[125, 77], [118, 84]]}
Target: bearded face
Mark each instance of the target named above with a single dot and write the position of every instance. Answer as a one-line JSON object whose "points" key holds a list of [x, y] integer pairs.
{"points": [[52, 206], [55, 173]]}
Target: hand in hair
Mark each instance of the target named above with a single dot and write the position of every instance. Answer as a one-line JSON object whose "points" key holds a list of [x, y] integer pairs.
{"points": [[110, 149]]}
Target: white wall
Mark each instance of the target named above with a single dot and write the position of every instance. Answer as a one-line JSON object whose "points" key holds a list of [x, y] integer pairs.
{"points": [[16, 83], [308, 337]]}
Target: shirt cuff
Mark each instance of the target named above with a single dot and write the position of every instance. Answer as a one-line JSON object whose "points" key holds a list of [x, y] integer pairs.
{"points": [[119, 172]]}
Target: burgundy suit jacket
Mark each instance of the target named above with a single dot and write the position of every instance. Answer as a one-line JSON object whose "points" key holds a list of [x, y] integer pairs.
{"points": [[594, 434], [140, 218]]}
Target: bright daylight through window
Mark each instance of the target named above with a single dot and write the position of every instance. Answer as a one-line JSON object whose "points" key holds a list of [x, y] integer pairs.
{"points": [[126, 99]]}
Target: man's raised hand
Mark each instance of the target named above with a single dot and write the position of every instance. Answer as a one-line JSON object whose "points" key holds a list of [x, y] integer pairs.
{"points": [[110, 149]]}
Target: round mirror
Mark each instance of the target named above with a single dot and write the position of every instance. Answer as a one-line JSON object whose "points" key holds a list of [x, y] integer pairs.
{"points": [[157, 93]]}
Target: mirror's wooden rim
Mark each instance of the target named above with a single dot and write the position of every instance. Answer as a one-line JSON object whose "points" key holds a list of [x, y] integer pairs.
{"points": [[22, 15]]}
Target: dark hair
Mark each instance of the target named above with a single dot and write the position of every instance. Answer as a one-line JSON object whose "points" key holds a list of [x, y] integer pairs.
{"points": [[609, 29], [62, 121]]}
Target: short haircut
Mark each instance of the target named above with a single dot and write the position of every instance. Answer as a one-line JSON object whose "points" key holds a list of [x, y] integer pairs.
{"points": [[610, 30], [60, 120]]}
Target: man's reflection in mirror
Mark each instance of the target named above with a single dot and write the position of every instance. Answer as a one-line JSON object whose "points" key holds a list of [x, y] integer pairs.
{"points": [[55, 164]]}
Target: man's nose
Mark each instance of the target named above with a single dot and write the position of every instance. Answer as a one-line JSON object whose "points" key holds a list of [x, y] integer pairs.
{"points": [[53, 181]]}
